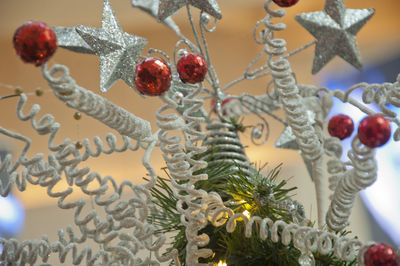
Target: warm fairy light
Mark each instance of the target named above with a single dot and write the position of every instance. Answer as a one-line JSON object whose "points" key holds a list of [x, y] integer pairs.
{"points": [[246, 213], [222, 263], [245, 204]]}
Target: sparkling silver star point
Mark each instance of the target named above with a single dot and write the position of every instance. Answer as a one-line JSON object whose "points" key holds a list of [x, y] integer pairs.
{"points": [[287, 140], [151, 7], [68, 38], [335, 29], [118, 50], [167, 8]]}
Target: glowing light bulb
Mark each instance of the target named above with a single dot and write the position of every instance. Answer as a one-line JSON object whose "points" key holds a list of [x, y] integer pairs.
{"points": [[247, 214]]}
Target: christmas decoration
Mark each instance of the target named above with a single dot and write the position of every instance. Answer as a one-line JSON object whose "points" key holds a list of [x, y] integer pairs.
{"points": [[374, 131], [118, 50], [169, 7], [151, 7], [69, 39], [153, 77], [287, 140], [340, 126], [335, 28], [192, 68], [210, 205], [77, 116], [285, 3], [18, 90], [39, 92], [381, 254], [35, 42]]}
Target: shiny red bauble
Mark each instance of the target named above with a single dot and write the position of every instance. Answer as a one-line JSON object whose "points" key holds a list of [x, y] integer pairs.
{"points": [[192, 68], [285, 3], [35, 42], [381, 255], [340, 126], [374, 131], [153, 76]]}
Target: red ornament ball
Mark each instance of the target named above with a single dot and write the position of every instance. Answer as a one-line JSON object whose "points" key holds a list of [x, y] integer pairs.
{"points": [[374, 131], [35, 42], [285, 3], [192, 68], [153, 76], [340, 126], [381, 255]]}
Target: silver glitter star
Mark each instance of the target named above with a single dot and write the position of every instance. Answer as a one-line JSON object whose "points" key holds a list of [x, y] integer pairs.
{"points": [[335, 29], [151, 7], [168, 7], [68, 38], [118, 50]]}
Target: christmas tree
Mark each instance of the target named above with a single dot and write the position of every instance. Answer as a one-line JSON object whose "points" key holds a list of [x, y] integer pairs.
{"points": [[210, 204]]}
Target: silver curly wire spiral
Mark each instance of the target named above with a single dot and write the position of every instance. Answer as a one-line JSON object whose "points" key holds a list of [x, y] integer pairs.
{"points": [[305, 238], [335, 166], [362, 175], [288, 91], [393, 96], [9, 167], [383, 95], [293, 105], [94, 105], [126, 220], [182, 166], [225, 146]]}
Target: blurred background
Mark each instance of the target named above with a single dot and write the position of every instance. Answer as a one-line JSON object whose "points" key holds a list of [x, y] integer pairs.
{"points": [[232, 48]]}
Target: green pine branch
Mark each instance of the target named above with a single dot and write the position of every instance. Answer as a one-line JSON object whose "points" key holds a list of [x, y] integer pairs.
{"points": [[258, 195]]}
